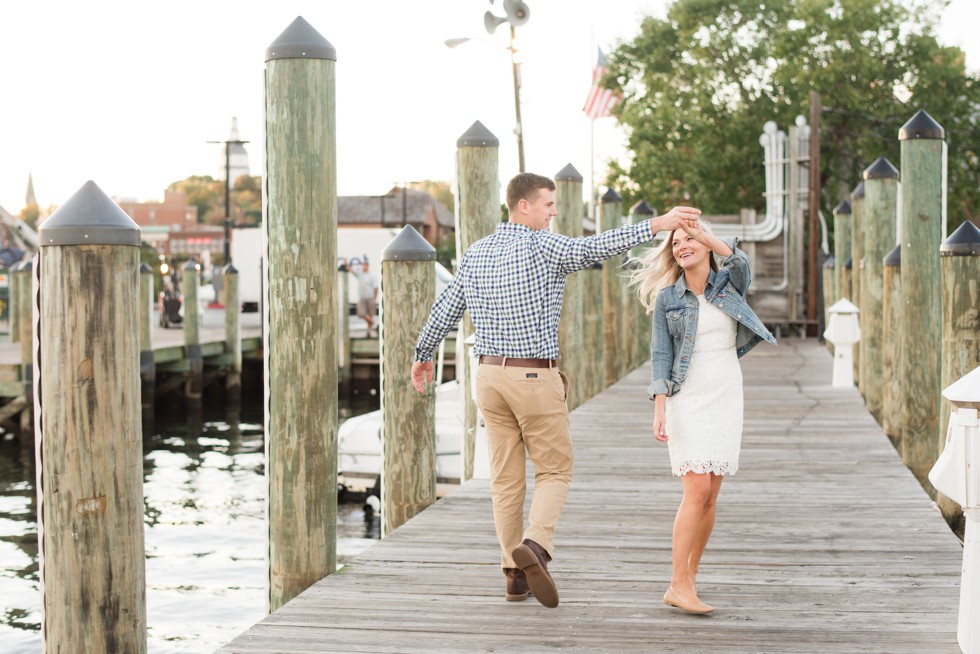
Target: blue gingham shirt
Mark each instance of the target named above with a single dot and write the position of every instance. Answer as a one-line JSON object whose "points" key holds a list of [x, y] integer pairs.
{"points": [[512, 282]]}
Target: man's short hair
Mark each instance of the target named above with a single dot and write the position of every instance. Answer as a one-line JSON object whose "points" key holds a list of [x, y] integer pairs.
{"points": [[524, 186]]}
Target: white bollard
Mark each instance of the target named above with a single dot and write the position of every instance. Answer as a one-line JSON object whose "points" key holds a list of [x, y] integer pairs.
{"points": [[957, 476], [843, 331]]}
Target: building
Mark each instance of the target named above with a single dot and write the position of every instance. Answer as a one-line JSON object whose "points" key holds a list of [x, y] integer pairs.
{"points": [[400, 206], [157, 220]]}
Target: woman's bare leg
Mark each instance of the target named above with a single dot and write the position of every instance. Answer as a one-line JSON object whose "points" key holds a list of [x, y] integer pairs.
{"points": [[704, 529], [690, 516]]}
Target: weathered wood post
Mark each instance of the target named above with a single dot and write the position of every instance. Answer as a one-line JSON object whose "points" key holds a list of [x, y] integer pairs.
{"points": [[26, 307], [477, 215], [923, 229], [891, 346], [644, 333], [568, 202], [827, 285], [148, 367], [959, 260], [879, 224], [408, 283], [842, 250], [300, 302], [857, 222], [857, 256], [13, 300], [90, 446], [344, 355], [190, 282], [233, 335], [611, 217], [593, 368]]}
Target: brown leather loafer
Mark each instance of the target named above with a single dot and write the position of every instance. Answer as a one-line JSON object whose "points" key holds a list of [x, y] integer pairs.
{"points": [[533, 560], [516, 585]]}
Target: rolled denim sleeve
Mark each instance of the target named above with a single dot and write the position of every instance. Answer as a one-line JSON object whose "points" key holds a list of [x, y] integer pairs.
{"points": [[661, 353], [737, 265]]}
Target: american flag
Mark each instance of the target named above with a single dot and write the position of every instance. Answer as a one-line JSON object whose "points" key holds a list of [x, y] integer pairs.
{"points": [[601, 100]]}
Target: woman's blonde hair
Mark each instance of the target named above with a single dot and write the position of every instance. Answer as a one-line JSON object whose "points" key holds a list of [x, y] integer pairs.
{"points": [[656, 268]]}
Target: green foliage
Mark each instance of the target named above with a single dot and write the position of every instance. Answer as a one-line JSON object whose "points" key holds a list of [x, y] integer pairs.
{"points": [[699, 86], [208, 195]]}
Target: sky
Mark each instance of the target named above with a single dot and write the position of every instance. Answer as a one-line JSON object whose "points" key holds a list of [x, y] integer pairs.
{"points": [[128, 94]]}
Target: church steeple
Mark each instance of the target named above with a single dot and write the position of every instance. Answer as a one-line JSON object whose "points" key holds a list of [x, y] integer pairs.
{"points": [[237, 159], [31, 199]]}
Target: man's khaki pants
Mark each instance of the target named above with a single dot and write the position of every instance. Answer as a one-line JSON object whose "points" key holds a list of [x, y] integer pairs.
{"points": [[524, 410]]}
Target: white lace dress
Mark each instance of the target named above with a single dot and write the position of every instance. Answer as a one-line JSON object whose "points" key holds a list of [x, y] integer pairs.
{"points": [[704, 419]]}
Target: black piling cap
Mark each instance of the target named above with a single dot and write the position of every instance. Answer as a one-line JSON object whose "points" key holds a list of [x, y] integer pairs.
{"points": [[894, 258], [477, 136], [921, 126], [611, 196], [881, 169], [145, 269], [964, 242], [230, 269], [89, 217], [641, 208], [858, 191], [568, 174], [842, 208], [189, 265], [829, 262], [848, 264], [300, 41], [408, 246]]}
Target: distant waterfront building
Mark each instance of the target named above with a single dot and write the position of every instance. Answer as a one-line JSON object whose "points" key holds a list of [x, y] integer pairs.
{"points": [[400, 206], [160, 222], [238, 156]]}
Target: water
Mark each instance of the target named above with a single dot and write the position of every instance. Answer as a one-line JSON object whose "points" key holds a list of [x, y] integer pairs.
{"points": [[205, 534]]}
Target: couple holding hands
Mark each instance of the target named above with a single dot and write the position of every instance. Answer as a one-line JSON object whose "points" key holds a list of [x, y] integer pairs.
{"points": [[511, 282]]}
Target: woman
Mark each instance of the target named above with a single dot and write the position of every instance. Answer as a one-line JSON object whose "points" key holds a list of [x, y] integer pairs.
{"points": [[701, 326]]}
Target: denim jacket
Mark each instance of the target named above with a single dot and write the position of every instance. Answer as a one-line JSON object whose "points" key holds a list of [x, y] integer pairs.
{"points": [[675, 320]]}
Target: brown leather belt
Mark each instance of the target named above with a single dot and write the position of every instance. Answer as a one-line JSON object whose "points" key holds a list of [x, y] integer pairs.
{"points": [[517, 363]]}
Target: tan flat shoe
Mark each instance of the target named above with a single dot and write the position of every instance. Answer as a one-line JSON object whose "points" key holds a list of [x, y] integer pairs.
{"points": [[695, 606]]}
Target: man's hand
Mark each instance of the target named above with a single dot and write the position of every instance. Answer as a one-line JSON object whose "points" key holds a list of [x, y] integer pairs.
{"points": [[676, 217], [421, 375]]}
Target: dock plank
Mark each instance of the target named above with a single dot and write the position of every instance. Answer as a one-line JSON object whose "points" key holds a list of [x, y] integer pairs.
{"points": [[824, 542]]}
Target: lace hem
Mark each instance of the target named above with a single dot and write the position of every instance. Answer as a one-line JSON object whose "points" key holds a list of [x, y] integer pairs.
{"points": [[702, 467]]}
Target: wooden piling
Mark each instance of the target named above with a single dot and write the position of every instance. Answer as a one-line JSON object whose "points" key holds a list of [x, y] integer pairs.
{"points": [[923, 229], [891, 346], [610, 217], [25, 304], [593, 368], [408, 480], [842, 249], [568, 202], [857, 256], [233, 335], [300, 305], [847, 270], [90, 447], [857, 214], [478, 214], [194, 379], [827, 272], [644, 322], [13, 300], [879, 225], [959, 260], [148, 368]]}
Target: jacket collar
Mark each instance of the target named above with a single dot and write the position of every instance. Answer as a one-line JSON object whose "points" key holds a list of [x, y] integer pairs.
{"points": [[681, 284]]}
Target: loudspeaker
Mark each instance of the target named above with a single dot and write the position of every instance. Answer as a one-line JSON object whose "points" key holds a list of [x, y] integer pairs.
{"points": [[517, 12], [490, 22]]}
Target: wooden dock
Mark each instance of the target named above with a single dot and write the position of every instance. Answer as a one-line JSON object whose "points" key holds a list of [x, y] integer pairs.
{"points": [[824, 542]]}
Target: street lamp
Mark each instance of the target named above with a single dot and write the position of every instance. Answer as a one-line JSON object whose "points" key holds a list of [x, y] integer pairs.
{"points": [[517, 13], [228, 144]]}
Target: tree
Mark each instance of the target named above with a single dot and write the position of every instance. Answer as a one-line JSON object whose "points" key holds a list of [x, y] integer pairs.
{"points": [[206, 193], [698, 87]]}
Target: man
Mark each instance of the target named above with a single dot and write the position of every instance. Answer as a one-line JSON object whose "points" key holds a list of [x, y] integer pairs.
{"points": [[367, 294], [512, 283]]}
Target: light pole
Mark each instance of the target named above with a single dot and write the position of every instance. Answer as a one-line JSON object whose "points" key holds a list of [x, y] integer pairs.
{"points": [[517, 13], [228, 144]]}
